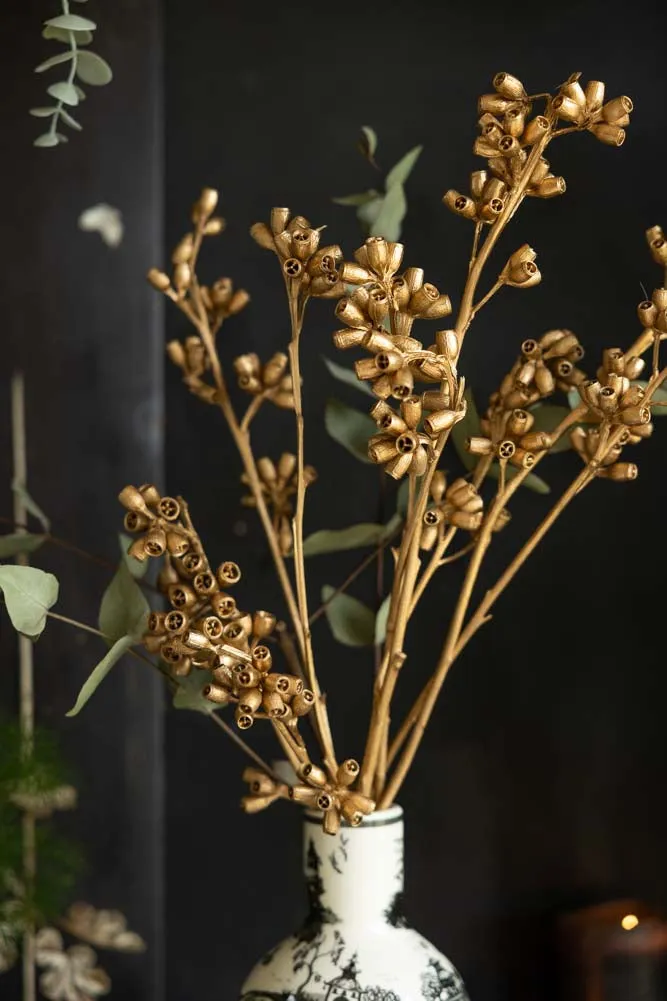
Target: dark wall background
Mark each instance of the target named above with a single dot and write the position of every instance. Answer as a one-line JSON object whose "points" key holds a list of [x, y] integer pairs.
{"points": [[540, 783], [80, 322]]}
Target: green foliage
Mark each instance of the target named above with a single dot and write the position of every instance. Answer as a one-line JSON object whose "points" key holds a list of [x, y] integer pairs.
{"points": [[122, 619], [349, 427], [189, 694], [352, 622], [88, 67], [381, 621], [470, 425], [19, 542], [124, 609], [338, 539], [59, 862], [347, 376], [28, 594], [382, 213]]}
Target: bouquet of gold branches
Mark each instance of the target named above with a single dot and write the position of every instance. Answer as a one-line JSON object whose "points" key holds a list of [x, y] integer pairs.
{"points": [[256, 667]]}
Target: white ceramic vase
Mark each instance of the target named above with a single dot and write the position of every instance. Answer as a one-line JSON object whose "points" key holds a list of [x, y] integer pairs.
{"points": [[355, 944]]}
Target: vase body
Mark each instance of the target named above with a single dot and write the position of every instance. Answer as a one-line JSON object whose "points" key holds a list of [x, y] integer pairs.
{"points": [[355, 944]]}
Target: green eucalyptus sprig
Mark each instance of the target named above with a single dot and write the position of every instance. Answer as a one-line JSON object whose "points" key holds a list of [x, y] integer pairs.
{"points": [[85, 66]]}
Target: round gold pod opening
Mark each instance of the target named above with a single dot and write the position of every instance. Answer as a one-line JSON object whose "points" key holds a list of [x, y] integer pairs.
{"points": [[169, 508]]}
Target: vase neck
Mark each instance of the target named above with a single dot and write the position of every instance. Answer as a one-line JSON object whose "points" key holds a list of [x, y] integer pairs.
{"points": [[355, 876]]}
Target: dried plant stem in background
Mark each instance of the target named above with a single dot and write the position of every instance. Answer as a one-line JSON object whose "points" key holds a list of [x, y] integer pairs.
{"points": [[26, 680]]}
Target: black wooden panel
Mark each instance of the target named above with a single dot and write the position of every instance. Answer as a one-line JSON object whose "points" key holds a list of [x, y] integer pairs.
{"points": [[80, 321]]}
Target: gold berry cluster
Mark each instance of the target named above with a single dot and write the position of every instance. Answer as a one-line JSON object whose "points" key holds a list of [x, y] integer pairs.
{"points": [[269, 381], [305, 265], [203, 628], [278, 483]]}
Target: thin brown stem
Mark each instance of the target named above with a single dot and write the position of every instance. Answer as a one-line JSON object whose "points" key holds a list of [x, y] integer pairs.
{"points": [[26, 687], [320, 709], [246, 748]]}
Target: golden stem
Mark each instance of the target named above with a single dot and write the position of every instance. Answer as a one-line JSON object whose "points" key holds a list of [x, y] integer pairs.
{"points": [[26, 684], [319, 709], [251, 412]]}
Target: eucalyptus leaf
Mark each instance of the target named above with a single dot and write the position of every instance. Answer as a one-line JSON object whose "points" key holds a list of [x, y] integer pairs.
{"points": [[532, 481], [347, 375], [352, 622], [189, 695], [349, 427], [99, 673], [338, 539], [124, 609], [93, 70], [68, 120], [400, 172], [62, 57], [381, 621], [388, 221], [60, 35], [136, 567], [48, 139], [368, 143], [573, 398], [71, 22], [31, 505], [80, 93], [547, 418], [28, 594], [370, 210], [466, 428], [43, 112], [64, 91], [19, 542], [357, 200]]}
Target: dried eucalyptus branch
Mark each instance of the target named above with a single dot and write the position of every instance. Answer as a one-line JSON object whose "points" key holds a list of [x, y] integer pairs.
{"points": [[86, 66]]}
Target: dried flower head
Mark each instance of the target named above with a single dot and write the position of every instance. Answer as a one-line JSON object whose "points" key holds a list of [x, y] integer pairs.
{"points": [[310, 269]]}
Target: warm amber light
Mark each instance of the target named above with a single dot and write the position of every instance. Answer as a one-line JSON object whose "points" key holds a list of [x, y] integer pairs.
{"points": [[629, 922]]}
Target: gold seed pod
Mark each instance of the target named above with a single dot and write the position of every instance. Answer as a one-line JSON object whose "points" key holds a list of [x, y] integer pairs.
{"points": [[466, 520], [267, 471], [429, 537], [155, 542], [286, 466], [594, 92], [176, 354], [183, 250], [536, 441], [286, 685], [439, 421], [223, 605], [364, 804], [182, 277], [509, 86], [435, 400], [477, 445], [313, 775], [438, 485], [398, 466], [253, 804], [612, 135], [568, 109], [243, 720], [152, 643], [402, 383], [522, 459], [534, 130], [177, 544], [354, 274], [460, 204], [211, 626], [303, 702], [274, 705], [262, 658], [635, 415], [205, 583], [131, 499], [520, 421], [616, 112], [134, 522], [377, 253], [303, 795], [250, 699], [248, 677], [263, 623], [181, 596], [279, 219], [206, 203], [411, 411], [262, 235], [176, 622], [493, 104], [155, 624], [228, 573], [622, 471], [549, 187], [158, 279]]}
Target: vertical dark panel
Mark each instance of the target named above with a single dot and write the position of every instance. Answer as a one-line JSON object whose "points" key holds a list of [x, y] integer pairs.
{"points": [[81, 323], [540, 782]]}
